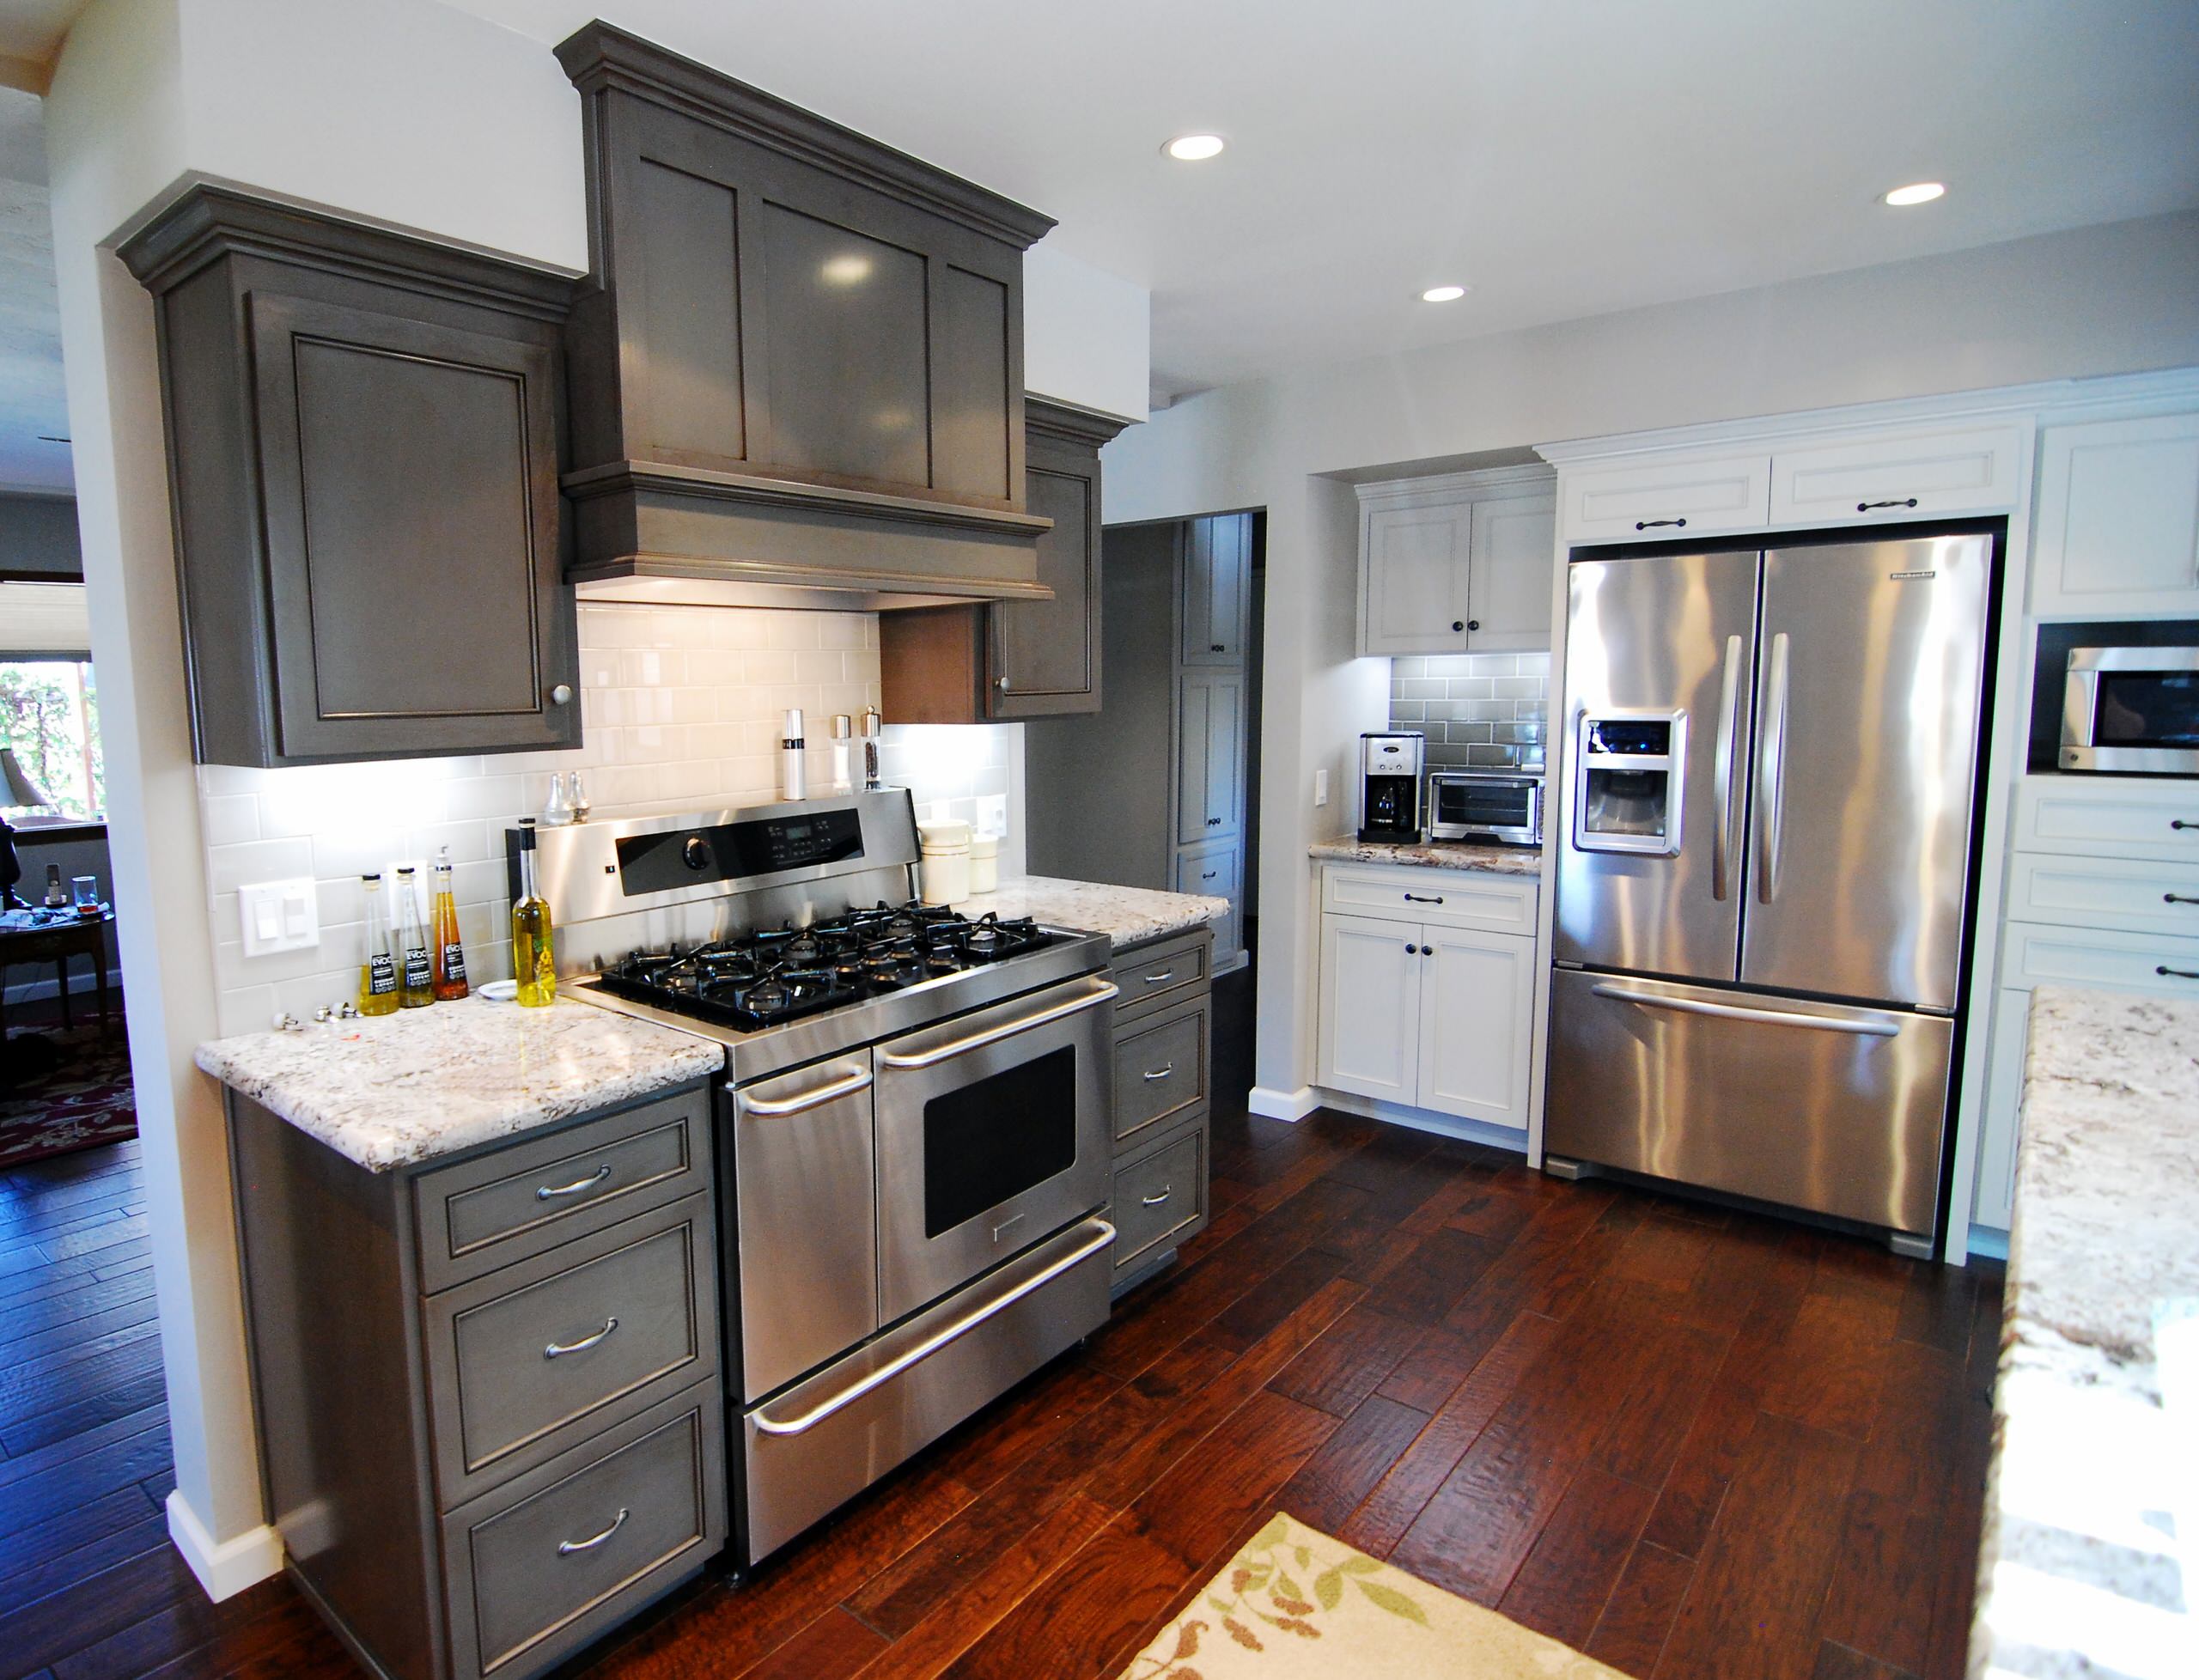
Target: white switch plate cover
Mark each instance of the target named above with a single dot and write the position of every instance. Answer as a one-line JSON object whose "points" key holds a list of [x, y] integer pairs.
{"points": [[1320, 787], [279, 915]]}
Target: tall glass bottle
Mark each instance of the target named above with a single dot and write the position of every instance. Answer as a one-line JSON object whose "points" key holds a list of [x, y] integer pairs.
{"points": [[534, 957], [378, 968], [449, 951], [416, 975]]}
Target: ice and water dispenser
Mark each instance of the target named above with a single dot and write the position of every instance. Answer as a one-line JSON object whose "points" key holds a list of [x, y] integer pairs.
{"points": [[1629, 773]]}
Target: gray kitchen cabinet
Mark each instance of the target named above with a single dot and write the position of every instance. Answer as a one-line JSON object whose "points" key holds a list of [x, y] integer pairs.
{"points": [[1210, 758], [1216, 589], [492, 1417], [1008, 659], [1457, 563], [799, 361], [362, 456], [1216, 869], [1164, 1054]]}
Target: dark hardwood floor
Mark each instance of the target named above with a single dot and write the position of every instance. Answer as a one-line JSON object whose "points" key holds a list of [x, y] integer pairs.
{"points": [[1692, 1443]]}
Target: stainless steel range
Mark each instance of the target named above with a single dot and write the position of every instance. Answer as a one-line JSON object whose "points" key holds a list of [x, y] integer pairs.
{"points": [[913, 1131]]}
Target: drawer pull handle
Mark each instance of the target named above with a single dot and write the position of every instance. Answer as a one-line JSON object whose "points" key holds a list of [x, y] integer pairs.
{"points": [[1158, 1073], [2179, 899], [559, 1349], [2179, 824], [1209, 874], [1166, 1191], [1166, 974], [567, 1548], [2178, 973], [1649, 524], [1412, 898], [1894, 502], [552, 1192]]}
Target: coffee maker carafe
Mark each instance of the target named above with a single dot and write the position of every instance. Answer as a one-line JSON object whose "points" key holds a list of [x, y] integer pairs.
{"points": [[1389, 777]]}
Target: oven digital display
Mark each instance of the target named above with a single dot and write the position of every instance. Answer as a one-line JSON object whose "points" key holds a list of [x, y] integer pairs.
{"points": [[726, 852]]}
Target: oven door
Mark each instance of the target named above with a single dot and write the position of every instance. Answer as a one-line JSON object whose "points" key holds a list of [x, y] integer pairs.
{"points": [[992, 1134], [1494, 806], [2133, 709]]}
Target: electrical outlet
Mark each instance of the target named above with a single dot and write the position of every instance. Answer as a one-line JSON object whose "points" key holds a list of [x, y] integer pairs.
{"points": [[279, 915], [1320, 787]]}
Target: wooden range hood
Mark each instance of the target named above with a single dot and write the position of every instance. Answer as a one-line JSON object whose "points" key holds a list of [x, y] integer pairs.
{"points": [[796, 371]]}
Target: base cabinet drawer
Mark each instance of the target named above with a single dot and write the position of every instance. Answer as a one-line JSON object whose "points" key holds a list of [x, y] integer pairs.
{"points": [[2038, 954], [1161, 1070], [1153, 973], [528, 1360], [1444, 899], [547, 1562], [2135, 896], [2108, 817], [1159, 1199]]}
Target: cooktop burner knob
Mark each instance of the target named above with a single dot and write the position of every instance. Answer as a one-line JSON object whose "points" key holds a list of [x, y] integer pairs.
{"points": [[696, 854]]}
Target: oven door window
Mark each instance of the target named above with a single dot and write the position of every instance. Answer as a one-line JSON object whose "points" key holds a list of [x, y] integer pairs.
{"points": [[998, 1137], [1481, 808], [2157, 708]]}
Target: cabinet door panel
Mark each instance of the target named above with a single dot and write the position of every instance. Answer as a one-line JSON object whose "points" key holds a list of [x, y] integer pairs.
{"points": [[2119, 518], [1900, 477], [1476, 1003], [1194, 738], [688, 314], [1370, 1007], [1209, 759], [970, 389], [415, 585], [1993, 1203], [1217, 566], [1418, 584], [1513, 551], [1049, 651]]}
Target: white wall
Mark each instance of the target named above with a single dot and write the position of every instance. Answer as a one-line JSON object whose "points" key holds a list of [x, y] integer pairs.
{"points": [[2104, 300], [1088, 335]]}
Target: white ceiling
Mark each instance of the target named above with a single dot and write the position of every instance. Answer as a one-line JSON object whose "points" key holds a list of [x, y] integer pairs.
{"points": [[1564, 157], [32, 403]]}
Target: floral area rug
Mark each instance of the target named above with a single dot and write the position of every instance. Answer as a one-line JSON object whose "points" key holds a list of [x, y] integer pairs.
{"points": [[1295, 1604], [60, 1092]]}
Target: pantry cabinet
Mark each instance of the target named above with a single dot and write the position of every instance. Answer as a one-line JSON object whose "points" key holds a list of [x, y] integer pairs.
{"points": [[1216, 589], [1211, 758], [2117, 531], [1456, 564], [362, 435]]}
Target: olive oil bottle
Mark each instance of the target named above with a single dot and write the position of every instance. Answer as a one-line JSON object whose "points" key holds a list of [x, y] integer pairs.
{"points": [[416, 975], [449, 949], [378, 972], [534, 957]]}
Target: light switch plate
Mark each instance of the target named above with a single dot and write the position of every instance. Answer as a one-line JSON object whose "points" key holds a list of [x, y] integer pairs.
{"points": [[279, 915], [1320, 787]]}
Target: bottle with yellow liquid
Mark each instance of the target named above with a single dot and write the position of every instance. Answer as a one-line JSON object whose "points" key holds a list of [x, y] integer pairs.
{"points": [[378, 972], [416, 975], [534, 957]]}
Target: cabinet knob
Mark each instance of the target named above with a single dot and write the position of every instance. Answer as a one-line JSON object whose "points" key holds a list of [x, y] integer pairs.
{"points": [[562, 695], [1000, 683], [1458, 623]]}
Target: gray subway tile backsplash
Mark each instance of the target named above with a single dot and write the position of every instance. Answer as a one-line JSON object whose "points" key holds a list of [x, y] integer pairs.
{"points": [[1478, 711]]}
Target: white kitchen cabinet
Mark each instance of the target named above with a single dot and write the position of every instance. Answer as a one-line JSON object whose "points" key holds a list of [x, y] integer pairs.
{"points": [[1458, 564], [1209, 767], [1476, 1006], [1995, 1202], [2118, 530], [1370, 1007], [1899, 476], [1640, 502]]}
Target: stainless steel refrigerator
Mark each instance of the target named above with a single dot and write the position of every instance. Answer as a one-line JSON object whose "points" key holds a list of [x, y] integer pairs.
{"points": [[1763, 873]]}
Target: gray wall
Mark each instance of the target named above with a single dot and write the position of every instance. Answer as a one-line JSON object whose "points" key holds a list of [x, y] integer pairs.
{"points": [[38, 534]]}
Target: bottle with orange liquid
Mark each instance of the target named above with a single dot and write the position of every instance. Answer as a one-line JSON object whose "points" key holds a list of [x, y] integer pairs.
{"points": [[449, 951]]}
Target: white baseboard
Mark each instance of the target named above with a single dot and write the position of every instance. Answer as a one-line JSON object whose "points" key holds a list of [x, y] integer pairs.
{"points": [[227, 1569], [1283, 1104], [1422, 1120]]}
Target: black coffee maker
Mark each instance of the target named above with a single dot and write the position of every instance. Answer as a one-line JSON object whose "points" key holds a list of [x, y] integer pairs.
{"points": [[1389, 794]]}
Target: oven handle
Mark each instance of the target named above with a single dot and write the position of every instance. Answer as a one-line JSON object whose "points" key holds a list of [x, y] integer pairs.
{"points": [[1105, 991], [772, 1107], [1102, 1234]]}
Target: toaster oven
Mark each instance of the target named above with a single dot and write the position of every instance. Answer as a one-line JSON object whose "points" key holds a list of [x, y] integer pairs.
{"points": [[1485, 804]]}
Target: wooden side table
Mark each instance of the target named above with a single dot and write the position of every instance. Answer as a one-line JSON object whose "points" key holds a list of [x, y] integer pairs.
{"points": [[56, 942]]}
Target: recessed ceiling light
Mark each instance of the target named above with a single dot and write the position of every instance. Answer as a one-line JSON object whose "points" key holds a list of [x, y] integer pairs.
{"points": [[1916, 192], [1195, 148], [1442, 294]]}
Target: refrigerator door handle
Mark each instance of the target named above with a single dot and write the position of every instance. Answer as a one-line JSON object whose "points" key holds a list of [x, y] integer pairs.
{"points": [[1689, 1006], [1772, 779], [1729, 701]]}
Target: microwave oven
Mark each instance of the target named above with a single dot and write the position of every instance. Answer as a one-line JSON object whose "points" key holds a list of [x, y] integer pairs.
{"points": [[2131, 709], [1485, 804]]}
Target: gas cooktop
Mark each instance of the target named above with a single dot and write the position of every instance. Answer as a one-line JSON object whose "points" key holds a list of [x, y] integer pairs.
{"points": [[766, 978]]}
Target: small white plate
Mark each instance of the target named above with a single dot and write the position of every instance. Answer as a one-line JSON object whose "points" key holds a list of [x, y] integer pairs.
{"points": [[499, 991]]}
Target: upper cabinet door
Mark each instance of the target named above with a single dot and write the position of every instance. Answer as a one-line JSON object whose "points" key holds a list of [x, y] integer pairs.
{"points": [[1218, 580], [1512, 557], [1415, 578], [1683, 498], [1909, 475], [2118, 518]]}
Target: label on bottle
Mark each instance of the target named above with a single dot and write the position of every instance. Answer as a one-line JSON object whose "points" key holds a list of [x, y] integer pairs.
{"points": [[453, 961], [382, 974], [418, 974]]}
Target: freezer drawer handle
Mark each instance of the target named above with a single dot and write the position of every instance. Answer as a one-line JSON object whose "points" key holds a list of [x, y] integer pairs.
{"points": [[567, 1548], [1651, 524], [1102, 1234], [1689, 1005], [552, 1192], [559, 1349], [772, 1107], [2177, 973], [1895, 502], [992, 1035]]}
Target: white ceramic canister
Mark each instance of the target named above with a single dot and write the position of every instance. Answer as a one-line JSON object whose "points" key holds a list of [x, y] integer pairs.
{"points": [[945, 848], [984, 863]]}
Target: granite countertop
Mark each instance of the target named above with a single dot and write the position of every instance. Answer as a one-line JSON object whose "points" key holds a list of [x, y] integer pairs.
{"points": [[1127, 915], [1481, 859], [396, 1090], [2090, 1561]]}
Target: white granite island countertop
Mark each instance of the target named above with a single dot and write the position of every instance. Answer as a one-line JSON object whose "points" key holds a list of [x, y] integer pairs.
{"points": [[1485, 860], [394, 1090], [2090, 1562], [1127, 915]]}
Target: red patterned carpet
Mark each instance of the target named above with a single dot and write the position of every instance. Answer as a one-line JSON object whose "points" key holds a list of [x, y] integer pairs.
{"points": [[61, 1091]]}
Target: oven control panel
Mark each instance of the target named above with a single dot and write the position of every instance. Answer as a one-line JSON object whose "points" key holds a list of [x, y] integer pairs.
{"points": [[726, 851]]}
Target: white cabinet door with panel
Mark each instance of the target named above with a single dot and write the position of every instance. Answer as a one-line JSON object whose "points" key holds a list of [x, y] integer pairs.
{"points": [[1476, 1006], [1671, 498], [2118, 528], [1370, 1007], [1415, 578], [1907, 475], [1512, 550]]}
